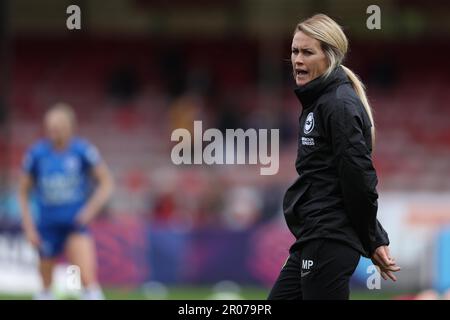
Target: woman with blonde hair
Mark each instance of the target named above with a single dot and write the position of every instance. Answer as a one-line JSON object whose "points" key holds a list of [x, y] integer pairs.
{"points": [[331, 208]]}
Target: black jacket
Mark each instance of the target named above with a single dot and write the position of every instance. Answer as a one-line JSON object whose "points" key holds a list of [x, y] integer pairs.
{"points": [[335, 195]]}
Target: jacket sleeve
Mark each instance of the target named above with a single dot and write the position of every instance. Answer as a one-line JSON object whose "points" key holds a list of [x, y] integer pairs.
{"points": [[381, 238], [358, 178]]}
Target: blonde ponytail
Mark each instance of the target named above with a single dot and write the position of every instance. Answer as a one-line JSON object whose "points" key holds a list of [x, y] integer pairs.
{"points": [[361, 92]]}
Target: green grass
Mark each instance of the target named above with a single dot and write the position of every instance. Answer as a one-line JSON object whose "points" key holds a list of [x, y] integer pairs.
{"points": [[203, 293]]}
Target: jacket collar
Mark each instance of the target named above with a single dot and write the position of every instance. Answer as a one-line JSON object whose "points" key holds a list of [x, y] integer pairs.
{"points": [[310, 92]]}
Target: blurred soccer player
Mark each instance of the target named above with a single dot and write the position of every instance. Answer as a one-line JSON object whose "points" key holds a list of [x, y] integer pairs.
{"points": [[71, 184]]}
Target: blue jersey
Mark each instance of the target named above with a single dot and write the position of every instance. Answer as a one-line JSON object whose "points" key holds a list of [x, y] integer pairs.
{"points": [[62, 179]]}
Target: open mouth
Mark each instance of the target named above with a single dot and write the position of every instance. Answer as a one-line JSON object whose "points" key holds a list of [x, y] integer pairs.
{"points": [[300, 72]]}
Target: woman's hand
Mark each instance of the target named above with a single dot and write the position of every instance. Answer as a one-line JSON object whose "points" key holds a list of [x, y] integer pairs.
{"points": [[84, 217], [100, 196], [382, 259], [33, 236]]}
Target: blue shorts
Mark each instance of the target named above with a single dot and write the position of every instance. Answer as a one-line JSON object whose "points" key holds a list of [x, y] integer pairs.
{"points": [[53, 238]]}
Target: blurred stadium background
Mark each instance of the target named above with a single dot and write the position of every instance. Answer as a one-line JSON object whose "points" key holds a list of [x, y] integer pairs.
{"points": [[140, 68]]}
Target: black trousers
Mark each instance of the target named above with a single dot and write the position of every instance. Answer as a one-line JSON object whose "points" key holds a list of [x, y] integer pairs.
{"points": [[320, 270]]}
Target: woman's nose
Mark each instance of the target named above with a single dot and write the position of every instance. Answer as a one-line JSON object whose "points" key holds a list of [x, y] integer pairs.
{"points": [[298, 59]]}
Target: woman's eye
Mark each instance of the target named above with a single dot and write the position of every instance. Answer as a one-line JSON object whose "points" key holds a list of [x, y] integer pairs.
{"points": [[295, 51]]}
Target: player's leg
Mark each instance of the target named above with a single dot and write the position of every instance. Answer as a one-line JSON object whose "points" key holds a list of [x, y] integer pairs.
{"points": [[288, 285], [80, 251], [327, 266], [46, 266], [50, 248]]}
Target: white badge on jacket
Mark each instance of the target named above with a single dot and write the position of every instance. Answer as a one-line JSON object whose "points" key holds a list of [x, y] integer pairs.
{"points": [[309, 123]]}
